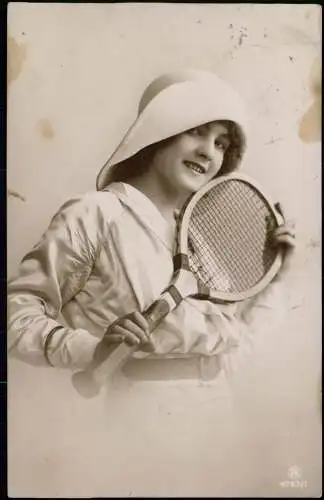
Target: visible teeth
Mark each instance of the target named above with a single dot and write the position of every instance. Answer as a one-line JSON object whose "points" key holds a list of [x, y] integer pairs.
{"points": [[195, 167]]}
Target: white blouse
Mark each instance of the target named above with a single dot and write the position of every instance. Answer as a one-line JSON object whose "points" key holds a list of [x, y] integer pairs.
{"points": [[104, 255]]}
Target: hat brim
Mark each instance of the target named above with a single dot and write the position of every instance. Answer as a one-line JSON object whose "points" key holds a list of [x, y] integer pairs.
{"points": [[180, 107]]}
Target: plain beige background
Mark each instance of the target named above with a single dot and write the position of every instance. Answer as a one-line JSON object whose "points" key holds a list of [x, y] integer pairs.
{"points": [[75, 74]]}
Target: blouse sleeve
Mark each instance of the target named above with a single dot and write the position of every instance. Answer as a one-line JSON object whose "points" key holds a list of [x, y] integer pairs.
{"points": [[48, 277], [256, 319]]}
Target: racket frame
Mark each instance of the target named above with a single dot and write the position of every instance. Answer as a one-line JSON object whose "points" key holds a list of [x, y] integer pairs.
{"points": [[181, 261]]}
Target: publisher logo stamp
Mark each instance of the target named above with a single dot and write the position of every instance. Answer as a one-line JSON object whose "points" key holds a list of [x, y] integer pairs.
{"points": [[295, 478]]}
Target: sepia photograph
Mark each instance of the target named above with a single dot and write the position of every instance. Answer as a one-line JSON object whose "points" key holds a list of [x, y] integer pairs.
{"points": [[164, 307]]}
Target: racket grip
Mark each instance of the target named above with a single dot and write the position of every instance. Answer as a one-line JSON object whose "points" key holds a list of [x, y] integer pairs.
{"points": [[88, 383], [156, 312], [111, 357]]}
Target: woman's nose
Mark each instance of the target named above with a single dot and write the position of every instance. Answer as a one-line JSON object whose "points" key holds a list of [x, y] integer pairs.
{"points": [[205, 150]]}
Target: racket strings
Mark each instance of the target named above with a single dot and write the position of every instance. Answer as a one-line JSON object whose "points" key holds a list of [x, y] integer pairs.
{"points": [[229, 232]]}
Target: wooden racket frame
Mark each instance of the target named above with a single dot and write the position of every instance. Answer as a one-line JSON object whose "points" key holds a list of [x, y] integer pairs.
{"points": [[184, 218]]}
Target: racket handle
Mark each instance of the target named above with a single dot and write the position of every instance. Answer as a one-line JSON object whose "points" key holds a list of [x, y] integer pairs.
{"points": [[156, 312], [89, 382]]}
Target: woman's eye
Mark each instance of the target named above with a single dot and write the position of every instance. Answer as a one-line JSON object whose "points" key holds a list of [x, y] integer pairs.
{"points": [[221, 145]]}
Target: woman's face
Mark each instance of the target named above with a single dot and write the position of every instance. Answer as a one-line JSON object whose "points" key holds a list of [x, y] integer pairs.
{"points": [[192, 158]]}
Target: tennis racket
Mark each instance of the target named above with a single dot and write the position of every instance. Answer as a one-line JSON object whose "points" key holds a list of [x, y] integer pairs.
{"points": [[223, 253]]}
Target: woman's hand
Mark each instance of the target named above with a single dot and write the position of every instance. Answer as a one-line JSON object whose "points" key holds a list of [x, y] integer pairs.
{"points": [[285, 237], [131, 329]]}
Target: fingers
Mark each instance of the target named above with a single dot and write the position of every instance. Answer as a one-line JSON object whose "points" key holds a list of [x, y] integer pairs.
{"points": [[139, 320], [286, 239], [288, 227], [131, 329], [130, 333], [285, 235]]}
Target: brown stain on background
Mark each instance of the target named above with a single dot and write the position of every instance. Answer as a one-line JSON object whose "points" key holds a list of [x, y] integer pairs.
{"points": [[46, 128], [17, 54], [310, 123]]}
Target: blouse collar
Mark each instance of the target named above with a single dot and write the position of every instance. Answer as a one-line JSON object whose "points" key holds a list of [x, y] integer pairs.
{"points": [[145, 209]]}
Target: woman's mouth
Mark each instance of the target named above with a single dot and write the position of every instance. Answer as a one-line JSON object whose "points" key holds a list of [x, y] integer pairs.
{"points": [[195, 167]]}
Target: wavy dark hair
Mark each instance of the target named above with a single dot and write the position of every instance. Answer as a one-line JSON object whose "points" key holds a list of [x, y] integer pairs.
{"points": [[139, 163]]}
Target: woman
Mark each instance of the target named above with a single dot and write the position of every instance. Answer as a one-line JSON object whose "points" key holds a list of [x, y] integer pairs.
{"points": [[107, 255]]}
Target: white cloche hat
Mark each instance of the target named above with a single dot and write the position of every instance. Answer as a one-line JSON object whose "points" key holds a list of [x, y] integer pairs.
{"points": [[176, 102]]}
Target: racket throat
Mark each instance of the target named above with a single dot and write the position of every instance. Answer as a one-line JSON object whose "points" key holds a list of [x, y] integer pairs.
{"points": [[183, 285]]}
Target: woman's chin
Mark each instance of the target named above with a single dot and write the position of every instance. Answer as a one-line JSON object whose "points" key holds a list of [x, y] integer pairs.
{"points": [[193, 185]]}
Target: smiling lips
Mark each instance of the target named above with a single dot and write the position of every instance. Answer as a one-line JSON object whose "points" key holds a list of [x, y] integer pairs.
{"points": [[195, 167]]}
